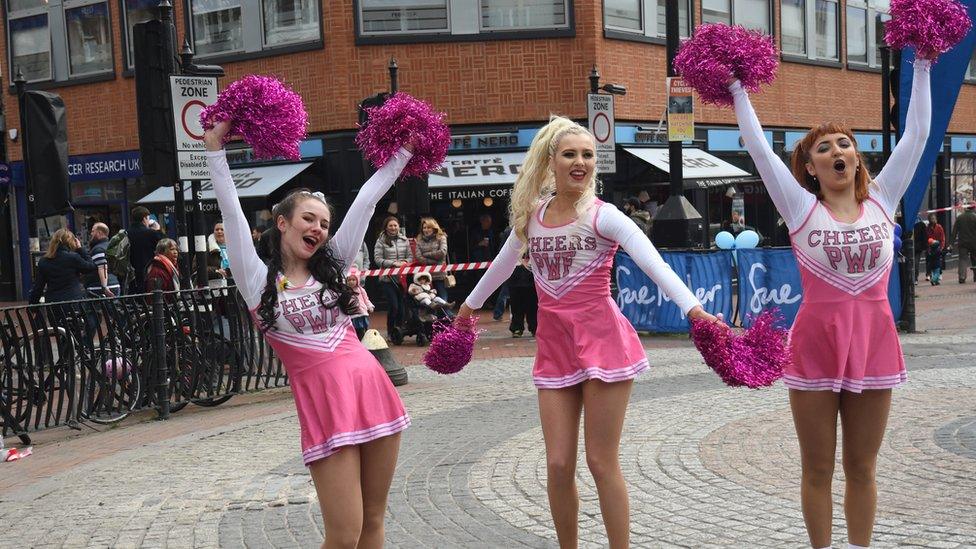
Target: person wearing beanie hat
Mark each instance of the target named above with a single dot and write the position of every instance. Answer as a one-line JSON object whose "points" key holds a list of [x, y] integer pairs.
{"points": [[360, 320], [423, 292]]}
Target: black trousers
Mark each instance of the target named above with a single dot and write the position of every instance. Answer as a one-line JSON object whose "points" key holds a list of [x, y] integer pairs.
{"points": [[525, 305]]}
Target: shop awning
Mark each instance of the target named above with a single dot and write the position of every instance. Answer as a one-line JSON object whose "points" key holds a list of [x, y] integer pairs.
{"points": [[477, 170], [257, 181], [700, 169]]}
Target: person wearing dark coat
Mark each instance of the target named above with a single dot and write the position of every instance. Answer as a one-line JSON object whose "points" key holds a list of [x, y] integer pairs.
{"points": [[142, 246], [58, 278], [522, 296]]}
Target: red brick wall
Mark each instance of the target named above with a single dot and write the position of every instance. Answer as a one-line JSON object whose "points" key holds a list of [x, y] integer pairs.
{"points": [[483, 82]]}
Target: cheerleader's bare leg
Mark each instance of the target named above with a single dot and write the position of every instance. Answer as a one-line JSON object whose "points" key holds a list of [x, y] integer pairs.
{"points": [[337, 484], [863, 417], [377, 463], [604, 407], [815, 418], [559, 410]]}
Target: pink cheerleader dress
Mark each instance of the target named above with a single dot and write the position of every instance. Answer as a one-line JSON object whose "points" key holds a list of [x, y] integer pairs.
{"points": [[581, 332], [844, 335], [342, 394]]}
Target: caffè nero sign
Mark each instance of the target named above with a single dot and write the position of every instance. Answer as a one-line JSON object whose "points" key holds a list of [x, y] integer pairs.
{"points": [[477, 170]]}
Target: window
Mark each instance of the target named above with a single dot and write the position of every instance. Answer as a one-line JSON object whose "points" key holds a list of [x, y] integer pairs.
{"points": [[288, 21], [751, 14], [89, 39], [793, 26], [135, 12], [825, 30], [403, 16], [30, 47], [865, 31], [522, 14], [857, 34], [227, 27], [644, 17], [971, 70], [217, 26]]}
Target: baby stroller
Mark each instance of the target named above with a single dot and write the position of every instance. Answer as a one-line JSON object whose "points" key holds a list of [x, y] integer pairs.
{"points": [[935, 257], [419, 315]]}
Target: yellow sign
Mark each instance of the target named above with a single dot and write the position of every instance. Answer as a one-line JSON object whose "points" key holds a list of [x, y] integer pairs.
{"points": [[681, 111]]}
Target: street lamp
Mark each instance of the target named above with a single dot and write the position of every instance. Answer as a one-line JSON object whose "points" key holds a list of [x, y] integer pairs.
{"points": [[612, 89]]}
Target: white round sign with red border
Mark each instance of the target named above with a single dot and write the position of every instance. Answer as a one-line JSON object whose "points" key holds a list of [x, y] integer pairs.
{"points": [[599, 108]]}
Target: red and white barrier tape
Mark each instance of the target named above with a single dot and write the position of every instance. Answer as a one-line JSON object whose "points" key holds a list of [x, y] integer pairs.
{"points": [[964, 206], [395, 271]]}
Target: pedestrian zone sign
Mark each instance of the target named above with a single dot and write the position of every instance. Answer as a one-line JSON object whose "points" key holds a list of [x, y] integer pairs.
{"points": [[190, 95]]}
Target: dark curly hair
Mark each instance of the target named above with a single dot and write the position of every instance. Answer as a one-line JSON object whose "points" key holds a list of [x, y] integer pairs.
{"points": [[323, 265]]}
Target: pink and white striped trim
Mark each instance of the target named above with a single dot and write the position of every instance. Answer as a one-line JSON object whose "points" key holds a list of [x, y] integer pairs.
{"points": [[327, 341], [845, 384], [574, 279], [333, 445], [593, 372], [853, 286]]}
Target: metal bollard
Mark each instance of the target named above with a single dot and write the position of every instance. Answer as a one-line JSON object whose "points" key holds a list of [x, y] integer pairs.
{"points": [[159, 344], [375, 343]]}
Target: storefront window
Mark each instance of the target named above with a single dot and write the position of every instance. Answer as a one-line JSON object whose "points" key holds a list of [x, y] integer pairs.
{"points": [[793, 26], [857, 35], [716, 11], [879, 25], [136, 11], [683, 18], [623, 14], [30, 44], [383, 16], [971, 71], [523, 14], [825, 32], [963, 179], [752, 14], [89, 39], [290, 21], [217, 26]]}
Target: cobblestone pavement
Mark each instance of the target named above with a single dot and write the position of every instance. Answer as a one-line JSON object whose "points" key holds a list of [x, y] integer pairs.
{"points": [[707, 466]]}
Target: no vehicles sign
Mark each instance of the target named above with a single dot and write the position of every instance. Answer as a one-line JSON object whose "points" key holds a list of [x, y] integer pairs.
{"points": [[600, 114], [190, 95]]}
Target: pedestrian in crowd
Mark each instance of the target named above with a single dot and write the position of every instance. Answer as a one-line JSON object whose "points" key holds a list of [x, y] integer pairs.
{"points": [[846, 356], [360, 319], [921, 243], [350, 414], [142, 246], [423, 292], [484, 240], [361, 261], [218, 264], [646, 204], [58, 278], [588, 353], [256, 234], [640, 216], [164, 269], [525, 303], [101, 283], [782, 235], [432, 250], [263, 246], [501, 299], [392, 249], [933, 232], [964, 237]]}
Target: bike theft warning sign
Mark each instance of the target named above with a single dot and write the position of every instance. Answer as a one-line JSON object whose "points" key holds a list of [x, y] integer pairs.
{"points": [[599, 109], [190, 95]]}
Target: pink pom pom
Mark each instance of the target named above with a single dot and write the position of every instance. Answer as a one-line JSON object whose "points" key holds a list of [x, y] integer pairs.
{"points": [[933, 27], [452, 346], [400, 120], [753, 359], [266, 113], [719, 52]]}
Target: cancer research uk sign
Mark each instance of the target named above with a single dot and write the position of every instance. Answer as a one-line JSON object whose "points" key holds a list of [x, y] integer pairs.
{"points": [[190, 95]]}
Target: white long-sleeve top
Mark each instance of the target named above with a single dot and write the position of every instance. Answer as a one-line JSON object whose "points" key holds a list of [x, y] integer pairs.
{"points": [[250, 273], [574, 259]]}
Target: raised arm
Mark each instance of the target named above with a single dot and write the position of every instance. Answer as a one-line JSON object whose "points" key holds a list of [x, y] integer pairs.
{"points": [[348, 239], [614, 225], [899, 171], [792, 200], [501, 268], [250, 273]]}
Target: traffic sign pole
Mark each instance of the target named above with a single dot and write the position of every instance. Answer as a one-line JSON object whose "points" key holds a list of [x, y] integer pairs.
{"points": [[599, 108]]}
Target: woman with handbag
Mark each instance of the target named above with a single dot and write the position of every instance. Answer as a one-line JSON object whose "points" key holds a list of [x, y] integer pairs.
{"points": [[432, 250]]}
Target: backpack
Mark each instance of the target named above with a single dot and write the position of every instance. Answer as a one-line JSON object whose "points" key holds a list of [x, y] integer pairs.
{"points": [[117, 255]]}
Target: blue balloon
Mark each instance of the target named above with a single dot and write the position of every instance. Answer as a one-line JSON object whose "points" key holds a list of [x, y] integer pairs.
{"points": [[897, 242], [746, 240], [725, 240], [898, 231]]}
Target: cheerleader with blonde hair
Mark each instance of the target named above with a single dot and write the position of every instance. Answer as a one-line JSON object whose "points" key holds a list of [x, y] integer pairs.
{"points": [[588, 353]]}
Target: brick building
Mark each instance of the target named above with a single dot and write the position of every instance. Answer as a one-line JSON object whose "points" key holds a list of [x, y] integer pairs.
{"points": [[496, 67]]}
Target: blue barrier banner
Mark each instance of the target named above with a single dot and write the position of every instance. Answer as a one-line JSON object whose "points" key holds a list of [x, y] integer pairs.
{"points": [[709, 275], [768, 278], [894, 288]]}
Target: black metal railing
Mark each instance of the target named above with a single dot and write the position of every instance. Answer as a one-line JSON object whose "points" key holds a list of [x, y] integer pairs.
{"points": [[100, 359]]}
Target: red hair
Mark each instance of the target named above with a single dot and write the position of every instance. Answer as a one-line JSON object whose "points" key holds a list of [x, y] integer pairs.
{"points": [[801, 155]]}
